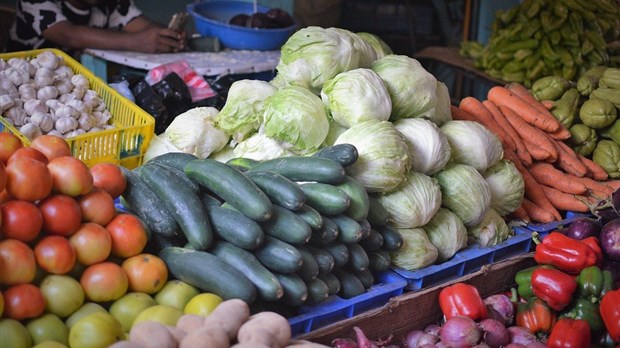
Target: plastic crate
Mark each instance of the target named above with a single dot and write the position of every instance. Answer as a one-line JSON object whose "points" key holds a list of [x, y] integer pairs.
{"points": [[467, 261], [335, 308], [124, 145], [544, 229]]}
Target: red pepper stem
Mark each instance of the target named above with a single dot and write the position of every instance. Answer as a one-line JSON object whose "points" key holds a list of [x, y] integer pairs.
{"points": [[535, 238], [514, 297]]}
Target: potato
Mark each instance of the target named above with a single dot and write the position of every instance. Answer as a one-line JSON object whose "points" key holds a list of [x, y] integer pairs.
{"points": [[249, 345], [214, 337], [126, 344], [305, 344], [176, 333], [190, 322], [274, 326], [152, 334], [229, 315]]}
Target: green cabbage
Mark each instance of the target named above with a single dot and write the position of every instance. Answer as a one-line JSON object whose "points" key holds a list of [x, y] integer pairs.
{"points": [[440, 113], [223, 155], [416, 252], [506, 185], [492, 230], [447, 233], [465, 192], [355, 96], [159, 145], [260, 147], [334, 132], [382, 49], [194, 132], [414, 202], [473, 144], [428, 147], [383, 160]]}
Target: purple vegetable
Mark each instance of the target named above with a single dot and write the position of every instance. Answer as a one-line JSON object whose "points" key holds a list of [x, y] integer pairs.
{"points": [[241, 20], [584, 228], [432, 329], [606, 214], [610, 239], [521, 335], [460, 332], [537, 345], [615, 200], [344, 343], [481, 345], [428, 345], [499, 307], [495, 333], [613, 267], [280, 17], [418, 338], [362, 340], [515, 345]]}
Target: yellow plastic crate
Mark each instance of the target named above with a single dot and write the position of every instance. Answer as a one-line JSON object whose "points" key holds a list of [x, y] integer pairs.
{"points": [[124, 145]]}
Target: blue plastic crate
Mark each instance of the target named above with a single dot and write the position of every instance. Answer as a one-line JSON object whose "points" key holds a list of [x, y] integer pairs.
{"points": [[544, 229], [467, 261], [334, 309]]}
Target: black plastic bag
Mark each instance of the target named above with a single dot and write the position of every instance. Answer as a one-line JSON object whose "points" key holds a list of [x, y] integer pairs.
{"points": [[175, 94], [152, 103]]}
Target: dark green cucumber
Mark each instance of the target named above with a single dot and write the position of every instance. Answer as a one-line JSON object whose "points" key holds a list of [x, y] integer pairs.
{"points": [[350, 284], [392, 239], [366, 278], [323, 259], [332, 282], [182, 202], [180, 176], [267, 285], [317, 291], [366, 228], [295, 289], [208, 273], [379, 260], [177, 160], [236, 228], [377, 214], [232, 186], [325, 198], [358, 259], [278, 188], [312, 217], [279, 256], [373, 242], [339, 252], [287, 226], [299, 168], [242, 163], [358, 209], [310, 268], [345, 154], [159, 241], [207, 199], [325, 235], [148, 206], [349, 230]]}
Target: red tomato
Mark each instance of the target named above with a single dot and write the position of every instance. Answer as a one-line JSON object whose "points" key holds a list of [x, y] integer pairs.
{"points": [[51, 145], [147, 273], [92, 243], [61, 214], [5, 196], [70, 176], [17, 262], [29, 152], [23, 301], [97, 206], [109, 177], [55, 254], [28, 180], [2, 176], [21, 220], [128, 235], [104, 281], [9, 143]]}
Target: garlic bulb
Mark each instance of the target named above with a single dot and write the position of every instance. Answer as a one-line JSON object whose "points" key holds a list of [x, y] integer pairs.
{"points": [[17, 115], [54, 132], [30, 131], [47, 92], [17, 76], [43, 120], [63, 85], [67, 111], [66, 124], [63, 72], [43, 77], [80, 80], [27, 91], [74, 133], [6, 102], [48, 59], [85, 121], [32, 106], [7, 87]]}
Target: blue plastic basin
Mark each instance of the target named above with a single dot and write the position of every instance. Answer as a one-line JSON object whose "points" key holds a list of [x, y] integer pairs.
{"points": [[211, 19]]}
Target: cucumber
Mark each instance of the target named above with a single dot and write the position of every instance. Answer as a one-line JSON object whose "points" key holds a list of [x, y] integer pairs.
{"points": [[366, 278], [332, 282], [379, 260], [236, 228], [207, 199], [242, 163], [182, 202], [312, 217], [310, 268], [279, 256], [295, 289], [366, 228], [327, 234], [299, 168], [232, 186], [148, 206], [323, 259], [373, 242], [287, 226], [345, 154], [350, 284], [349, 230], [180, 176], [358, 209], [159, 241], [267, 285], [208, 273], [325, 198], [358, 259], [278, 188], [392, 240], [339, 252], [377, 214], [317, 291], [177, 160]]}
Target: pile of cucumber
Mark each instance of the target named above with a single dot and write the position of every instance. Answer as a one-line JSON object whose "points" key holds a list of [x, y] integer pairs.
{"points": [[289, 231]]}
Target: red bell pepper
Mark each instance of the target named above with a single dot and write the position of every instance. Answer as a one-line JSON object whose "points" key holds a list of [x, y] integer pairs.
{"points": [[570, 333], [610, 313], [595, 244], [554, 287], [462, 299], [536, 316], [564, 253]]}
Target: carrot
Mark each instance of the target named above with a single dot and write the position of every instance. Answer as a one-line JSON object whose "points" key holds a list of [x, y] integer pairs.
{"points": [[520, 148], [594, 170], [461, 115], [561, 134], [521, 91], [475, 108], [527, 132], [520, 214], [547, 174], [502, 96], [537, 213], [565, 201], [538, 153], [568, 160], [597, 188], [548, 104], [614, 184]]}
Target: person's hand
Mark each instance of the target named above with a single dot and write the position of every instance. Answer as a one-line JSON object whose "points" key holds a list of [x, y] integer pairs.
{"points": [[159, 40]]}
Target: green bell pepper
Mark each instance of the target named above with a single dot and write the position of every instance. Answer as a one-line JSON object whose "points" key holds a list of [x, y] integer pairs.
{"points": [[592, 283], [588, 311], [523, 278]]}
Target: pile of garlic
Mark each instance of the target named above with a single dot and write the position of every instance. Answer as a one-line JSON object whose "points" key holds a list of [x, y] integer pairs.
{"points": [[43, 95]]}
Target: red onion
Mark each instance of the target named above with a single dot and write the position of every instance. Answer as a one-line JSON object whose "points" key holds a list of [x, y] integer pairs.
{"points": [[495, 333], [460, 332], [344, 343], [428, 345], [515, 345], [362, 340], [500, 307], [417, 338], [537, 345], [521, 335], [432, 329], [481, 345]]}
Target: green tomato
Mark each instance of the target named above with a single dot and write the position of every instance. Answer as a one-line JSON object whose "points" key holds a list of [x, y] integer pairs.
{"points": [[13, 334], [50, 344], [163, 314], [48, 327], [63, 294], [97, 330], [86, 309], [176, 293], [127, 308]]}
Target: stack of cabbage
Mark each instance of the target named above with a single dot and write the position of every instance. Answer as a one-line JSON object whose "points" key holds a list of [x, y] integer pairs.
{"points": [[443, 182]]}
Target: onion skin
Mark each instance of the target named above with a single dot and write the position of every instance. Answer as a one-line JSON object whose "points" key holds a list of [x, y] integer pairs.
{"points": [[583, 228], [500, 307], [460, 332], [537, 345], [495, 333], [432, 329], [418, 338], [344, 343], [521, 335], [515, 345], [610, 239], [362, 340]]}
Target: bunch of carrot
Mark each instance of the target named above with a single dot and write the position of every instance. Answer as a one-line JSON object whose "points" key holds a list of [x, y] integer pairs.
{"points": [[556, 177]]}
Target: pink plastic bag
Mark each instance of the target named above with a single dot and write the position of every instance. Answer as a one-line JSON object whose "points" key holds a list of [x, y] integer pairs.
{"points": [[198, 87]]}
